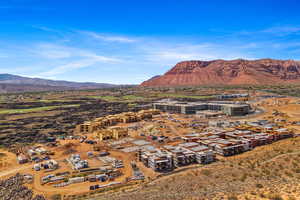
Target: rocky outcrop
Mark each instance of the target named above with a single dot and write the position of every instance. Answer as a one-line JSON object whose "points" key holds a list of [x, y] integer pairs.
{"points": [[233, 72]]}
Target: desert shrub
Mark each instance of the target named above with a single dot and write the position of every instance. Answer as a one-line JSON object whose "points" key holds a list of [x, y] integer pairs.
{"points": [[291, 198], [258, 185], [232, 197], [295, 164], [244, 177], [262, 195], [267, 172], [56, 197], [206, 172], [289, 150], [297, 170], [275, 197], [288, 174]]}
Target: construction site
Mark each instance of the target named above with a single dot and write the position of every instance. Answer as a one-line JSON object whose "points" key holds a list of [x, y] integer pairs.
{"points": [[137, 147]]}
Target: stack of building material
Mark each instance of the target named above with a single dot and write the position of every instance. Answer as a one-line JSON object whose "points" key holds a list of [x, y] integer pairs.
{"points": [[76, 180], [77, 163]]}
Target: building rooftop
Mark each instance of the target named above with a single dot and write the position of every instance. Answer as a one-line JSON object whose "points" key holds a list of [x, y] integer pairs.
{"points": [[199, 148], [189, 144]]}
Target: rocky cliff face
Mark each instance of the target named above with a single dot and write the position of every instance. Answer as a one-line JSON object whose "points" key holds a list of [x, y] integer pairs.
{"points": [[233, 72]]}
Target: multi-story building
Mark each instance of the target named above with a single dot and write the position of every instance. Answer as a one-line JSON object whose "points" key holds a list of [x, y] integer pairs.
{"points": [[203, 154], [181, 156], [228, 108], [114, 132], [157, 159], [112, 120]]}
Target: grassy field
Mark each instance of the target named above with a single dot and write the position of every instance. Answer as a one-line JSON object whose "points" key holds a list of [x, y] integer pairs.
{"points": [[127, 98], [132, 98], [183, 96], [53, 100], [30, 110]]}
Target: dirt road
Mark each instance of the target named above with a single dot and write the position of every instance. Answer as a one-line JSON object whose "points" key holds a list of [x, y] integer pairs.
{"points": [[15, 170]]}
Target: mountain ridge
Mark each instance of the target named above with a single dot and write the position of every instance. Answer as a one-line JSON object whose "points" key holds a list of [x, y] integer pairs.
{"points": [[16, 83], [229, 72]]}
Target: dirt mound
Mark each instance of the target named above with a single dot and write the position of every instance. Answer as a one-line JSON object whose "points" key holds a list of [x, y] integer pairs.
{"points": [[68, 148]]}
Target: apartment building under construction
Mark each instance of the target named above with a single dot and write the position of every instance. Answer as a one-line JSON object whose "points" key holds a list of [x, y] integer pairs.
{"points": [[170, 157], [114, 132], [104, 128]]}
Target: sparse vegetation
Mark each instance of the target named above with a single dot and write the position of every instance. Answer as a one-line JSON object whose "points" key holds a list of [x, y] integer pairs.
{"points": [[38, 109]]}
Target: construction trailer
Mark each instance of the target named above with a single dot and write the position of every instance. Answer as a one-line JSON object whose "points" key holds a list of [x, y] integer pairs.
{"points": [[76, 180]]}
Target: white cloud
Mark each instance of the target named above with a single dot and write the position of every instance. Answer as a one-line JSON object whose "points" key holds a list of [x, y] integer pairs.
{"points": [[109, 38], [52, 54], [51, 51], [282, 30], [3, 56], [72, 58], [179, 52], [44, 28], [100, 58], [68, 67], [272, 31]]}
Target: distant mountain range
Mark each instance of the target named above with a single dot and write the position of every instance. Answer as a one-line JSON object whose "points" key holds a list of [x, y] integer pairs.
{"points": [[229, 72], [14, 83]]}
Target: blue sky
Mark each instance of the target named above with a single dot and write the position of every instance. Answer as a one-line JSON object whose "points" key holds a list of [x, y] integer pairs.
{"points": [[118, 41]]}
